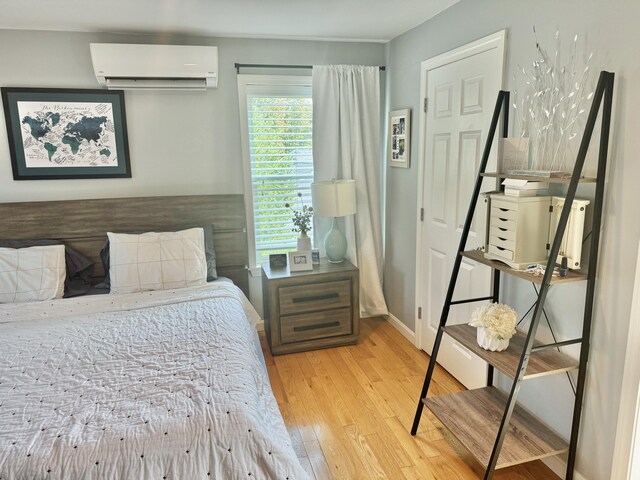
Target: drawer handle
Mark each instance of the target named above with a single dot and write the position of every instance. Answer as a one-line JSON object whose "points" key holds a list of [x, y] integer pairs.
{"points": [[317, 326], [503, 219], [314, 298], [502, 229], [503, 209], [500, 248], [503, 239]]}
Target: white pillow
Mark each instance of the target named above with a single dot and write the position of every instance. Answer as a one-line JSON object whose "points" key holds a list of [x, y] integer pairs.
{"points": [[156, 261], [31, 274]]}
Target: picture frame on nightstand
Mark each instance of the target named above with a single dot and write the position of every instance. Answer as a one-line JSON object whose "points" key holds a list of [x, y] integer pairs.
{"points": [[300, 261], [278, 260]]}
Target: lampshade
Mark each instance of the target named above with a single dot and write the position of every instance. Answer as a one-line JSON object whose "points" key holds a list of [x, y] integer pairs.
{"points": [[335, 198]]}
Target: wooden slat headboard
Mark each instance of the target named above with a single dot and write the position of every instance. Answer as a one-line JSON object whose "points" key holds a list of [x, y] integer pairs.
{"points": [[83, 224]]}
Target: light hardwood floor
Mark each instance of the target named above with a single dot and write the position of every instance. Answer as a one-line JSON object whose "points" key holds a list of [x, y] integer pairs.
{"points": [[349, 410]]}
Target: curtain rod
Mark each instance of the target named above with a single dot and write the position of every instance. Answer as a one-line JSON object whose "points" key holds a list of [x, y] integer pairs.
{"points": [[261, 65]]}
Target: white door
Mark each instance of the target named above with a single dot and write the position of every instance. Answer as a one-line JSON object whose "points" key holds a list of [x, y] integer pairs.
{"points": [[461, 89]]}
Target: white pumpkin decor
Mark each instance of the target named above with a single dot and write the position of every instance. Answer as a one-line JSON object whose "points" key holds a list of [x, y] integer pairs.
{"points": [[496, 324]]}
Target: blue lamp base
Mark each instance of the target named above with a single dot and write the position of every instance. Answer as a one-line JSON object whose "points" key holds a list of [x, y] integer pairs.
{"points": [[335, 243]]}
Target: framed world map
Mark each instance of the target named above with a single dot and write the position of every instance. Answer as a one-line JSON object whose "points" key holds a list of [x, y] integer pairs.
{"points": [[66, 133]]}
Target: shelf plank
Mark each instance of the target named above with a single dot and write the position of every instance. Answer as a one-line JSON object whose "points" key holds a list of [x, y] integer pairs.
{"points": [[478, 256], [534, 178], [543, 362], [474, 416]]}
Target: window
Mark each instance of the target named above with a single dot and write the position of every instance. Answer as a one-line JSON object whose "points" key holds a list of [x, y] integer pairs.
{"points": [[276, 116]]}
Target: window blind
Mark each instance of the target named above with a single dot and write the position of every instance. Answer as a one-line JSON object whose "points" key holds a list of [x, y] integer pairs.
{"points": [[280, 146]]}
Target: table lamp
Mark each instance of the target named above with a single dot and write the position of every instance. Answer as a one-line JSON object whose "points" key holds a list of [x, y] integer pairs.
{"points": [[335, 198]]}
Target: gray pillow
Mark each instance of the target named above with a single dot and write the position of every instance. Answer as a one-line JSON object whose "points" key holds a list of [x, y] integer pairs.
{"points": [[209, 250], [210, 253]]}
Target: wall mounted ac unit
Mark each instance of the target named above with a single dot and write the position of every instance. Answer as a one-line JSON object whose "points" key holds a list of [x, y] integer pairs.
{"points": [[156, 67]]}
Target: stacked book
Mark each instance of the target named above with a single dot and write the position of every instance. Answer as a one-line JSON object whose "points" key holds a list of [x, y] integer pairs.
{"points": [[523, 188]]}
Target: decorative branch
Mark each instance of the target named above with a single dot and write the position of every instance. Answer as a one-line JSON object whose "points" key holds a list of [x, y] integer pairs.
{"points": [[301, 218], [555, 101]]}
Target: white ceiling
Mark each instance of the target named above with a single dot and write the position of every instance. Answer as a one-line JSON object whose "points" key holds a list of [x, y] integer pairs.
{"points": [[361, 20]]}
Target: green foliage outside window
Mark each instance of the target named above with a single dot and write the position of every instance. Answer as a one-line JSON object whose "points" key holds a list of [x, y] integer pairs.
{"points": [[280, 139]]}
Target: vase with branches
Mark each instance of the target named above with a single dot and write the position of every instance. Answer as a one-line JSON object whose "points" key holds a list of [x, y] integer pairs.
{"points": [[302, 223]]}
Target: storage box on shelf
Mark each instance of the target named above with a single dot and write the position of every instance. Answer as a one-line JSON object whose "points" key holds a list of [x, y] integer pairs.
{"points": [[520, 230]]}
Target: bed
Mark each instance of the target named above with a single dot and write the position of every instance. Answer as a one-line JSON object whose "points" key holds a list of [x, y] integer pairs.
{"points": [[164, 384]]}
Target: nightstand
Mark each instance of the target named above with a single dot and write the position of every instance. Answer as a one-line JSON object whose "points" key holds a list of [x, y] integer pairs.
{"points": [[318, 308]]}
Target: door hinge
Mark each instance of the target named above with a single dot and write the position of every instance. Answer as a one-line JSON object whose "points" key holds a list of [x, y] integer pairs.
{"points": [[422, 214], [419, 313], [424, 106]]}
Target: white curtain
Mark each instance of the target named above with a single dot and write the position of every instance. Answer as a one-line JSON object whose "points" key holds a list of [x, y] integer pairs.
{"points": [[346, 145]]}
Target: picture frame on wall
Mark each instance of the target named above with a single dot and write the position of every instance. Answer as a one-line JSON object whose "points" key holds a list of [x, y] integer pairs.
{"points": [[60, 133], [300, 261], [399, 138]]}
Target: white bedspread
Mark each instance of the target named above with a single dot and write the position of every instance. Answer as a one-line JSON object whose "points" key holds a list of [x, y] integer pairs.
{"points": [[149, 385]]}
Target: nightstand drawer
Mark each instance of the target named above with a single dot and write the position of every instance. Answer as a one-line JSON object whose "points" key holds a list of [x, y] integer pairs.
{"points": [[314, 296], [312, 326]]}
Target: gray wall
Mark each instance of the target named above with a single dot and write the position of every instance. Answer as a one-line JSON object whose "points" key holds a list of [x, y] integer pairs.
{"points": [[181, 143], [610, 30]]}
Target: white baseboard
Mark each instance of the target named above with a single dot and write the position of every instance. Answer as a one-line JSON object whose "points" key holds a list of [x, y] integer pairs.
{"points": [[559, 467], [402, 328]]}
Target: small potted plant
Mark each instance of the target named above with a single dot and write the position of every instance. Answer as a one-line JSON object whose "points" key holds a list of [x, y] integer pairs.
{"points": [[496, 324], [302, 223]]}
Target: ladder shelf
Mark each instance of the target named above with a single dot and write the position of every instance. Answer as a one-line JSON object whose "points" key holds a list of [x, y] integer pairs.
{"points": [[473, 417], [543, 362], [535, 178], [478, 256], [489, 423]]}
